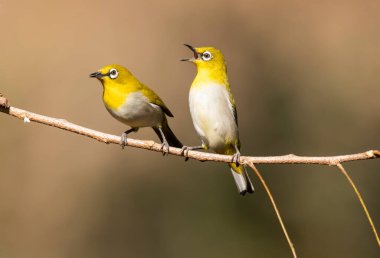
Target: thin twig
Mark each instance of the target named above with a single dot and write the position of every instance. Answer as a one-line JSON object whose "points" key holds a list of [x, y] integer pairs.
{"points": [[202, 156], [275, 208], [344, 172]]}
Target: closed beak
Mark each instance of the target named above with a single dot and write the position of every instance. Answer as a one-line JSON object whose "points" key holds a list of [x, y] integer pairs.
{"points": [[97, 75]]}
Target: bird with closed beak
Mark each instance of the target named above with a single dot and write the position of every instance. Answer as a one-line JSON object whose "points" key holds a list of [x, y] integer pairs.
{"points": [[213, 111], [135, 104]]}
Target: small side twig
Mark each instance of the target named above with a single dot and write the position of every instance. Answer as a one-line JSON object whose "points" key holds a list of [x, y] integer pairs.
{"points": [[344, 172], [253, 167]]}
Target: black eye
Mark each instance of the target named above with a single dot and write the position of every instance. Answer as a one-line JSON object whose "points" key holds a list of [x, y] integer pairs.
{"points": [[206, 56], [113, 73]]}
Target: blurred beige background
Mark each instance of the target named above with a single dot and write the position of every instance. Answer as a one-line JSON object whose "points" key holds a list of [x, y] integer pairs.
{"points": [[305, 76]]}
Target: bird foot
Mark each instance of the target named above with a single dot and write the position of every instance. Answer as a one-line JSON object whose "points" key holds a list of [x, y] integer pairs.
{"points": [[236, 159], [165, 148], [185, 152], [123, 141]]}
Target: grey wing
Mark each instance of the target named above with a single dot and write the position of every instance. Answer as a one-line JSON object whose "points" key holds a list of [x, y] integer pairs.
{"points": [[234, 111], [233, 106]]}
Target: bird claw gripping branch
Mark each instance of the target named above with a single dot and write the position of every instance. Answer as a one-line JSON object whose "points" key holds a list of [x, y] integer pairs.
{"points": [[236, 159]]}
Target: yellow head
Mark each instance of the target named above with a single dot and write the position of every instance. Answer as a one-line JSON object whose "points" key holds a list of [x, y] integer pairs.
{"points": [[207, 58], [113, 74], [210, 64], [117, 82]]}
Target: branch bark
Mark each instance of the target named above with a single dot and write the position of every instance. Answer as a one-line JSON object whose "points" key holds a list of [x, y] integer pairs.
{"points": [[197, 155]]}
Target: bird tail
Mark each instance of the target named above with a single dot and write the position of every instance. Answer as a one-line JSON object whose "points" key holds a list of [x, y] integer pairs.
{"points": [[169, 135], [242, 180]]}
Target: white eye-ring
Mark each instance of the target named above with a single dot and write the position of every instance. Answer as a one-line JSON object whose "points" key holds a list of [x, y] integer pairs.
{"points": [[113, 73], [206, 56]]}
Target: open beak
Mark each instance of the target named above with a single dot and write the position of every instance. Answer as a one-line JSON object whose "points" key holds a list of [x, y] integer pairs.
{"points": [[97, 75], [196, 54]]}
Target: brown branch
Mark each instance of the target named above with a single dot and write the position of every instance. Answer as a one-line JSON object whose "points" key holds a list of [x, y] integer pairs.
{"points": [[275, 208], [202, 156], [197, 155], [344, 172]]}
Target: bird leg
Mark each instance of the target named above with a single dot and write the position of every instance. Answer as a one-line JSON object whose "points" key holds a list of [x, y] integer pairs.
{"points": [[185, 150], [165, 144], [236, 157], [124, 137]]}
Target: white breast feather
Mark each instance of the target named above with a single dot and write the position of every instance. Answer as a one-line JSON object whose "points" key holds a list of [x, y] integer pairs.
{"points": [[212, 114], [137, 111]]}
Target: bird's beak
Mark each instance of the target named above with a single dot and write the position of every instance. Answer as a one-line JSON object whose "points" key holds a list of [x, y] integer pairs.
{"points": [[97, 75], [196, 54]]}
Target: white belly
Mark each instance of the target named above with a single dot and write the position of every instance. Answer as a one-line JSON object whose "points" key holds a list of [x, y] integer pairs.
{"points": [[212, 114], [138, 112]]}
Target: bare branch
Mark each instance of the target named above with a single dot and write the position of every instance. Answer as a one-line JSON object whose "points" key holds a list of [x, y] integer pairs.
{"points": [[344, 172], [275, 208], [202, 156]]}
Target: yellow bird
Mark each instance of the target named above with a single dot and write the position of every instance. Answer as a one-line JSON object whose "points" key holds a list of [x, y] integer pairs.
{"points": [[134, 104], [213, 111]]}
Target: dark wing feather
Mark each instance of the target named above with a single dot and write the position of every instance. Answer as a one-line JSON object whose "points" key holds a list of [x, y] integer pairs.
{"points": [[155, 99]]}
